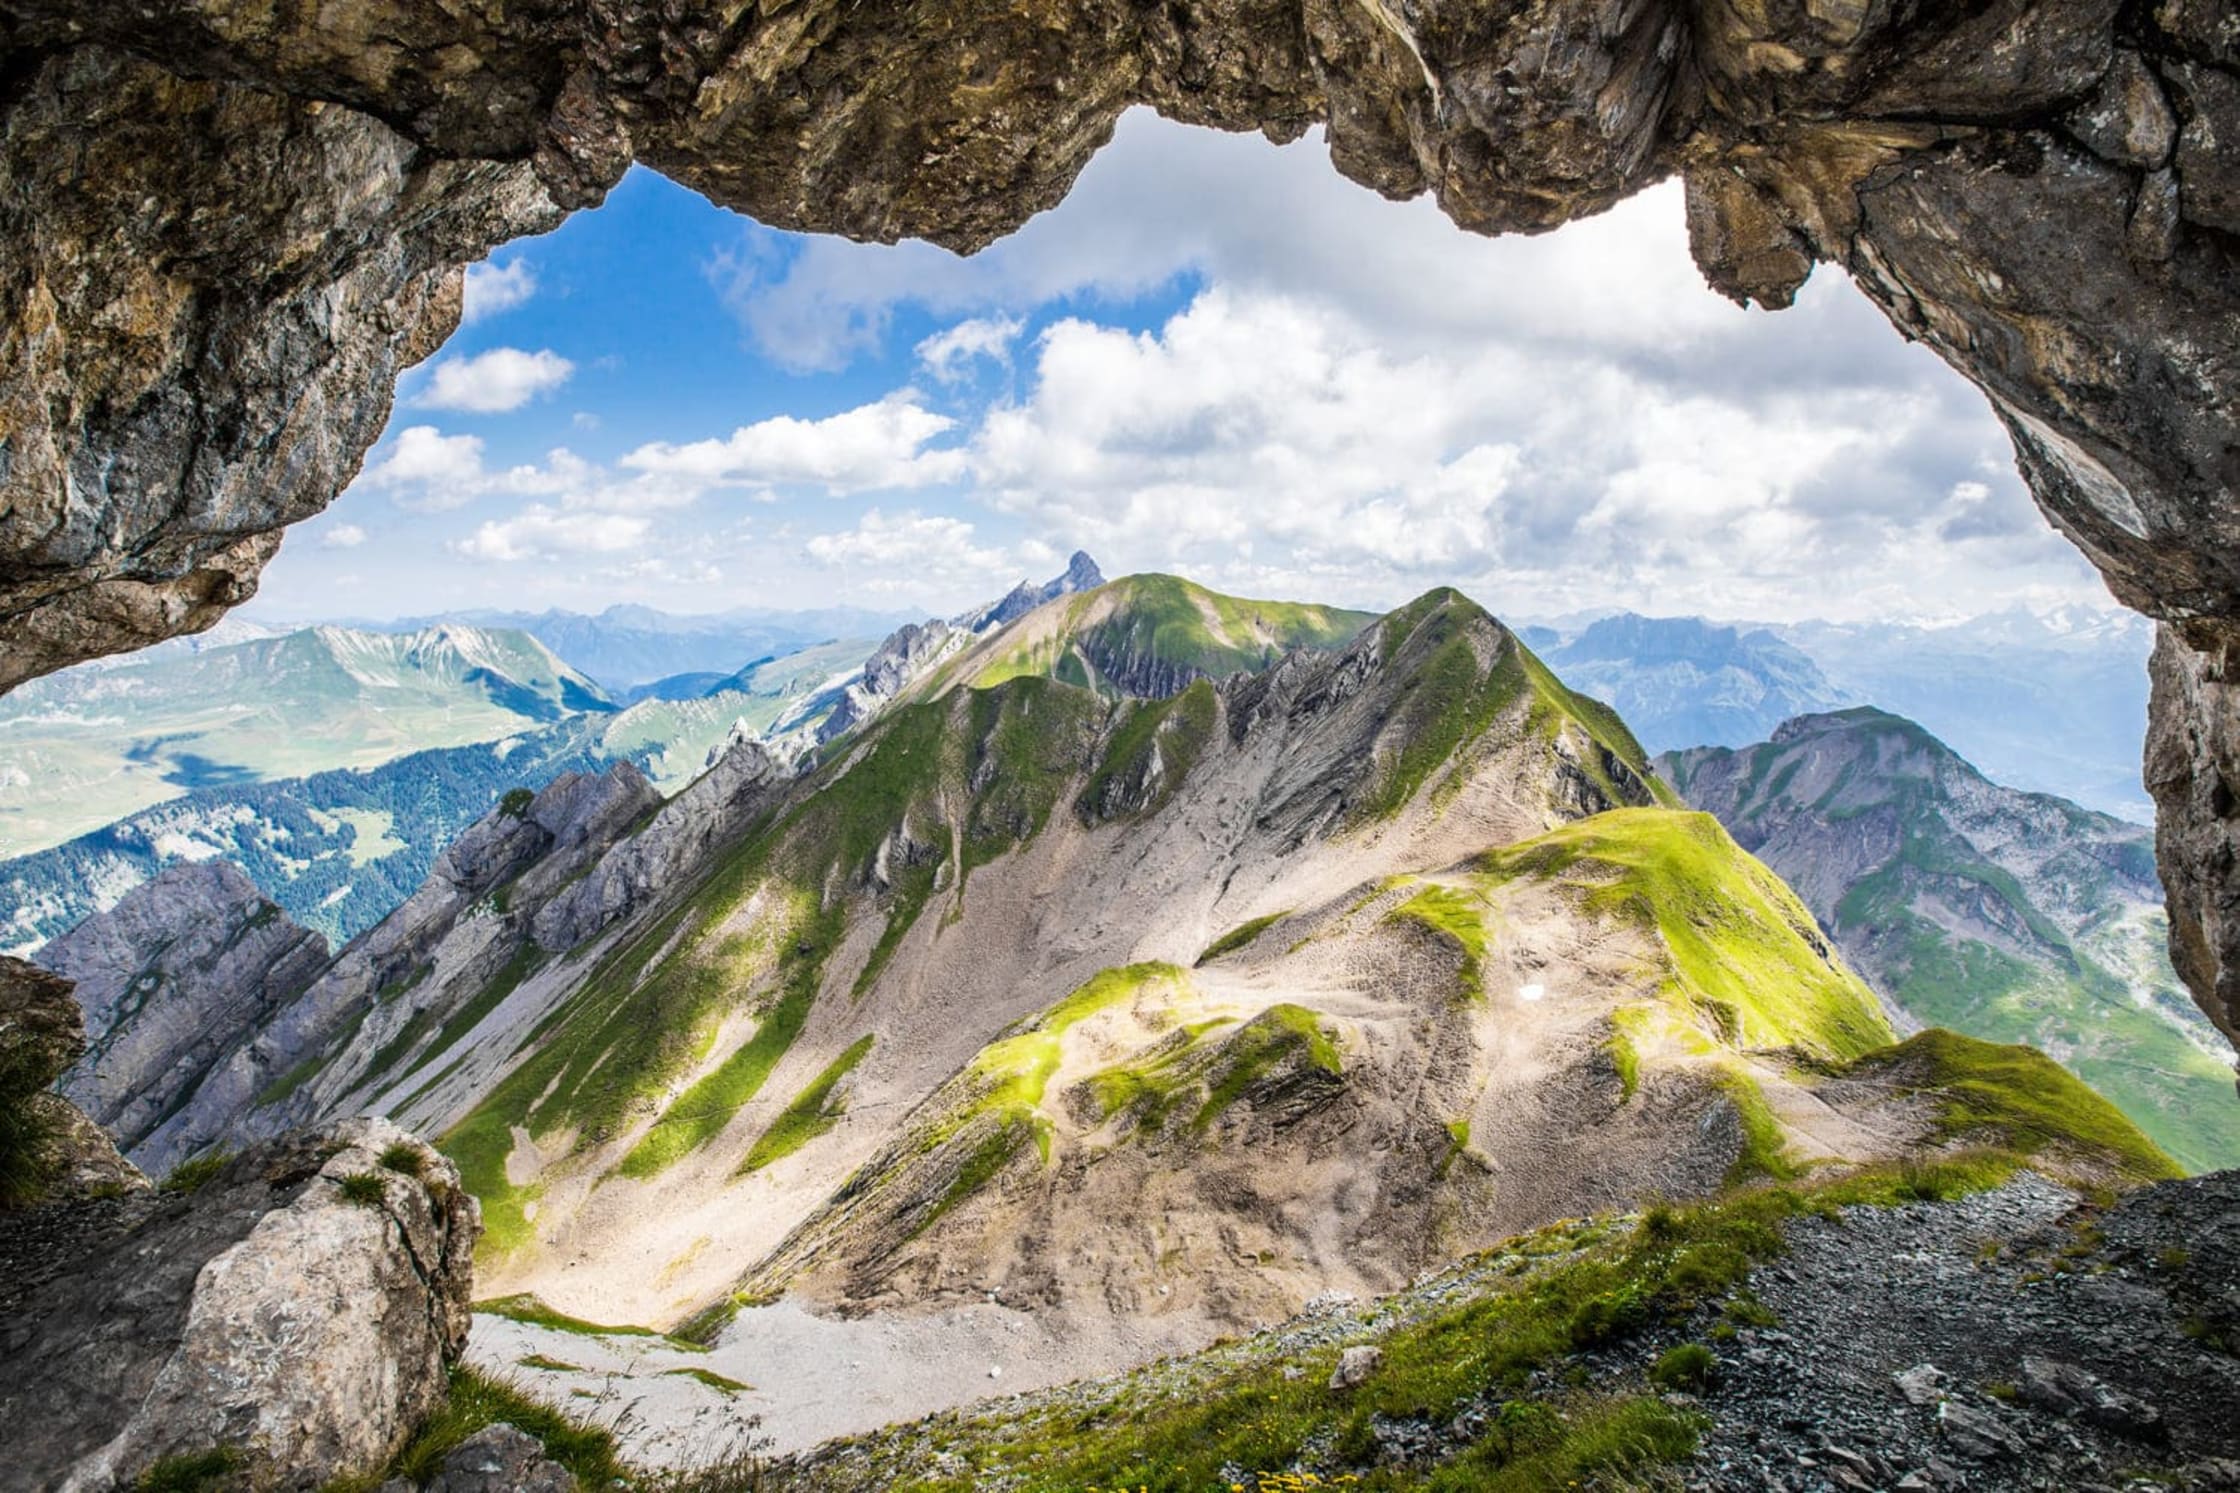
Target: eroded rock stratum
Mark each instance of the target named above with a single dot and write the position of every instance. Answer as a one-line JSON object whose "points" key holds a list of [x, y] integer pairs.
{"points": [[230, 224]]}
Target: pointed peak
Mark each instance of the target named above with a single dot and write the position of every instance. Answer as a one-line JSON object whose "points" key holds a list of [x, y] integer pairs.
{"points": [[1403, 622]]}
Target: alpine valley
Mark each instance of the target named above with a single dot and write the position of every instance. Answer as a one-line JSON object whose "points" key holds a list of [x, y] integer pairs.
{"points": [[1125, 967]]}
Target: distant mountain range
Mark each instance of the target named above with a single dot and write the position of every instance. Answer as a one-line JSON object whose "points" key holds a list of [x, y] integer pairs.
{"points": [[85, 747], [625, 647], [1682, 681], [2054, 702], [202, 732], [2015, 917]]}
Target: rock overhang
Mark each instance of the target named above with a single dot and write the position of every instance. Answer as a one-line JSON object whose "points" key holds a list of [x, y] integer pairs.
{"points": [[242, 225]]}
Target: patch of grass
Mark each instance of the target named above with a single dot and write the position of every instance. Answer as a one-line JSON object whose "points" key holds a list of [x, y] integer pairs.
{"points": [[469, 1016], [1458, 917], [1625, 1061], [1014, 1070], [405, 1158], [1740, 948], [810, 1114], [702, 1111], [476, 1400], [196, 1172], [1764, 1143], [1241, 935], [1162, 624], [913, 886], [714, 1381], [1688, 1368], [1458, 1145], [26, 1150], [296, 1077], [366, 1189], [1151, 749], [524, 1307], [1280, 1034], [2020, 1099], [401, 1042], [1022, 746], [1445, 698], [1004, 1140], [210, 1471], [2063, 999], [548, 1365]]}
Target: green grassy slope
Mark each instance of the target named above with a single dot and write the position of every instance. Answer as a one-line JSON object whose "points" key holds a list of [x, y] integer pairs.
{"points": [[2052, 938], [1741, 949]]}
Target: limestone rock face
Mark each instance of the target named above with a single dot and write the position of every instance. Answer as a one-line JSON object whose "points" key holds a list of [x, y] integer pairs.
{"points": [[717, 804], [210, 292], [2193, 765], [239, 222], [169, 978], [269, 1311], [270, 1073]]}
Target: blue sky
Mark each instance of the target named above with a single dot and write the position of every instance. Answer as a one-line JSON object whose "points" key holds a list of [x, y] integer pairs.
{"points": [[1216, 357]]}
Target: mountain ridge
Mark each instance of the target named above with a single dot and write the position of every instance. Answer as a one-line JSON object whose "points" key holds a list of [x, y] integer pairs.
{"points": [[2013, 915]]}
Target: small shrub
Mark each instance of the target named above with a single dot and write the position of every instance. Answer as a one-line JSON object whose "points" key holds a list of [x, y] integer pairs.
{"points": [[1688, 1368], [1661, 1223], [1602, 1319], [515, 804], [193, 1472], [196, 1173], [406, 1158], [1747, 1310], [366, 1189], [720, 1383], [26, 1146]]}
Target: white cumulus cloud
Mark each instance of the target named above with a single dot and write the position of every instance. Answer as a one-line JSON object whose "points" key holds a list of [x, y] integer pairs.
{"points": [[493, 382], [538, 531], [495, 288], [866, 449], [948, 352], [342, 537]]}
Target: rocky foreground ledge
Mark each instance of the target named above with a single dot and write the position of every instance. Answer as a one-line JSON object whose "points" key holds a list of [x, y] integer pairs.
{"points": [[288, 1313], [291, 1309], [1925, 1328]]}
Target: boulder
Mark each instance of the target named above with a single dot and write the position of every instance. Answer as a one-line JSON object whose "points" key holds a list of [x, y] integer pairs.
{"points": [[501, 1459], [1356, 1366], [296, 1310]]}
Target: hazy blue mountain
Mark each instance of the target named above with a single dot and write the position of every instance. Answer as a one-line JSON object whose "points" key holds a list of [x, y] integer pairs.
{"points": [[627, 646], [89, 745], [337, 850], [1682, 681], [2055, 703]]}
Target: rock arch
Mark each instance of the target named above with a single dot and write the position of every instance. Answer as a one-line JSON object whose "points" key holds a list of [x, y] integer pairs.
{"points": [[228, 224]]}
